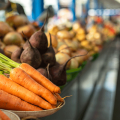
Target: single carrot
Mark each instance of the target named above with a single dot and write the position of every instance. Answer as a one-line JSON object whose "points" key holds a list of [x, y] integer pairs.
{"points": [[22, 78], [11, 102], [32, 73], [3, 116], [13, 88], [58, 97]]}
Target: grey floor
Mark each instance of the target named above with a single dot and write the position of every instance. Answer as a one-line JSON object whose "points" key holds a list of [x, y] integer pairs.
{"points": [[101, 105]]}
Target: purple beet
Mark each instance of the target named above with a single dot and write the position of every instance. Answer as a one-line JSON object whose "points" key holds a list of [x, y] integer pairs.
{"points": [[39, 39], [58, 73], [16, 55], [49, 56], [43, 72], [31, 56]]}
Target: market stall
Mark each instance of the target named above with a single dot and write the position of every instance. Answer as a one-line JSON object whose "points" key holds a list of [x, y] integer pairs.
{"points": [[58, 68]]}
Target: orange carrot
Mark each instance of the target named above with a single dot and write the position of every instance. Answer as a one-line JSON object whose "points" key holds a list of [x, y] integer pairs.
{"points": [[3, 116], [58, 97], [54, 106], [32, 73], [11, 102], [22, 78], [13, 88], [40, 78]]}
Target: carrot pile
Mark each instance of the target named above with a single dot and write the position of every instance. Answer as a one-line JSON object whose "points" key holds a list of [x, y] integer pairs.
{"points": [[26, 89]]}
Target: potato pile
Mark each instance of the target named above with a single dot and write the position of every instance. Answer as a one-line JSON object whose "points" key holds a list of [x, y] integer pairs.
{"points": [[72, 43], [11, 36], [78, 41]]}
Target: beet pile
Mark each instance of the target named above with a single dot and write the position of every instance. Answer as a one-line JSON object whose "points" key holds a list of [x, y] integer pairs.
{"points": [[36, 53]]}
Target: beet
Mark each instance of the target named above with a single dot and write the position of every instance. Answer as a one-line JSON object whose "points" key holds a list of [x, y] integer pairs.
{"points": [[16, 55], [58, 72], [49, 56], [39, 39], [43, 71], [9, 49], [31, 56]]}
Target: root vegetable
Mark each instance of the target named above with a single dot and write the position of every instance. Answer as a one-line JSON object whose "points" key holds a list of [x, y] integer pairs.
{"points": [[39, 40], [82, 52], [27, 29], [59, 97], [31, 56], [58, 72], [49, 56], [65, 49], [64, 34], [2, 45], [9, 49], [60, 43], [74, 64], [16, 55], [13, 38], [72, 44], [32, 73], [61, 58], [13, 88], [43, 72], [4, 29], [54, 40], [40, 78], [11, 102], [17, 20], [23, 79], [79, 59]]}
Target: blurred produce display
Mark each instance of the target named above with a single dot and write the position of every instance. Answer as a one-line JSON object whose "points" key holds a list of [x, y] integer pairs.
{"points": [[46, 59], [60, 50]]}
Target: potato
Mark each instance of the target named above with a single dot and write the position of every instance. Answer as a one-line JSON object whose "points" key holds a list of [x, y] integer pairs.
{"points": [[74, 64], [28, 30], [61, 58], [13, 38], [9, 49]]}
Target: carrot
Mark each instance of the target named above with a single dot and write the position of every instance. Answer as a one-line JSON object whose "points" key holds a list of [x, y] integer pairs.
{"points": [[32, 73], [58, 97], [11, 102], [54, 106], [13, 88], [3, 116], [40, 78], [23, 79]]}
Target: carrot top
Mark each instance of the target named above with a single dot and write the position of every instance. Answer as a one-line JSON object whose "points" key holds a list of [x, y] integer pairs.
{"points": [[8, 61]]}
